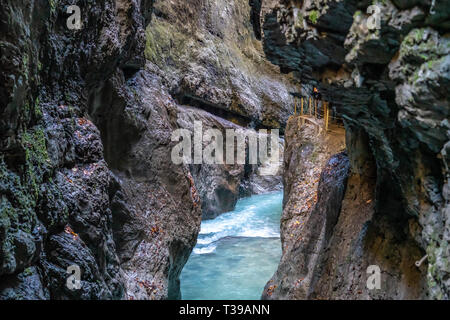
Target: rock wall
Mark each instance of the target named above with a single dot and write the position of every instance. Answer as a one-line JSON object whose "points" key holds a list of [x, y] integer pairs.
{"points": [[221, 185], [210, 57], [211, 62], [390, 85], [85, 138]]}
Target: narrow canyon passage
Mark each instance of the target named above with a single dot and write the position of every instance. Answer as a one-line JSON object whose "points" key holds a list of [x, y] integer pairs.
{"points": [[133, 148], [237, 252]]}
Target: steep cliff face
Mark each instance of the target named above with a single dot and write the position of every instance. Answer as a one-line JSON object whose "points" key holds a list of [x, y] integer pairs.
{"points": [[84, 141], [210, 61], [220, 186], [210, 57], [390, 85], [85, 138]]}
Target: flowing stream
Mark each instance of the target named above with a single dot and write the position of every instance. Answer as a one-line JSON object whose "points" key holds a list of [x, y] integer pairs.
{"points": [[236, 253]]}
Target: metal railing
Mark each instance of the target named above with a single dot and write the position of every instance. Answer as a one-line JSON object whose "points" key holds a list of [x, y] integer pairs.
{"points": [[319, 109]]}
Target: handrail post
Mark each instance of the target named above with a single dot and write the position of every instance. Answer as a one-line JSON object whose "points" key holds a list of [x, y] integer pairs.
{"points": [[302, 107], [309, 107], [315, 108], [295, 106]]}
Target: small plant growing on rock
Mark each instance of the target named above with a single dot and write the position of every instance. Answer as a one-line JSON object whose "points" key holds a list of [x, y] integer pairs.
{"points": [[314, 16]]}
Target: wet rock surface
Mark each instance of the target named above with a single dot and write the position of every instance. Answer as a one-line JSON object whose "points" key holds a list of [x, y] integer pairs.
{"points": [[390, 86], [220, 186], [314, 186], [213, 67], [81, 183], [85, 138], [210, 57], [332, 232]]}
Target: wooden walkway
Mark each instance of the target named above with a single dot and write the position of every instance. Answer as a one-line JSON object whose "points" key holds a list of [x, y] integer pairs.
{"points": [[310, 111]]}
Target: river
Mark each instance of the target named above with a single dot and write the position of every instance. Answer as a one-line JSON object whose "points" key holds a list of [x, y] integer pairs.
{"points": [[236, 253]]}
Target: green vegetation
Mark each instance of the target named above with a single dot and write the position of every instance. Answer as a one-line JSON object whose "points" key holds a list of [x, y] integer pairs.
{"points": [[17, 212], [416, 76], [37, 108], [151, 47], [36, 157], [419, 34], [163, 41], [299, 22], [25, 61], [314, 16], [53, 4], [414, 45], [28, 272]]}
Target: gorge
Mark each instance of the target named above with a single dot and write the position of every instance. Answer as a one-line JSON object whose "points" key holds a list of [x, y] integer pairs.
{"points": [[236, 253], [87, 118]]}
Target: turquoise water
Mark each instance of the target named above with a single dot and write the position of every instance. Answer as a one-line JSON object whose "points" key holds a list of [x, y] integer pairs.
{"points": [[236, 253]]}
